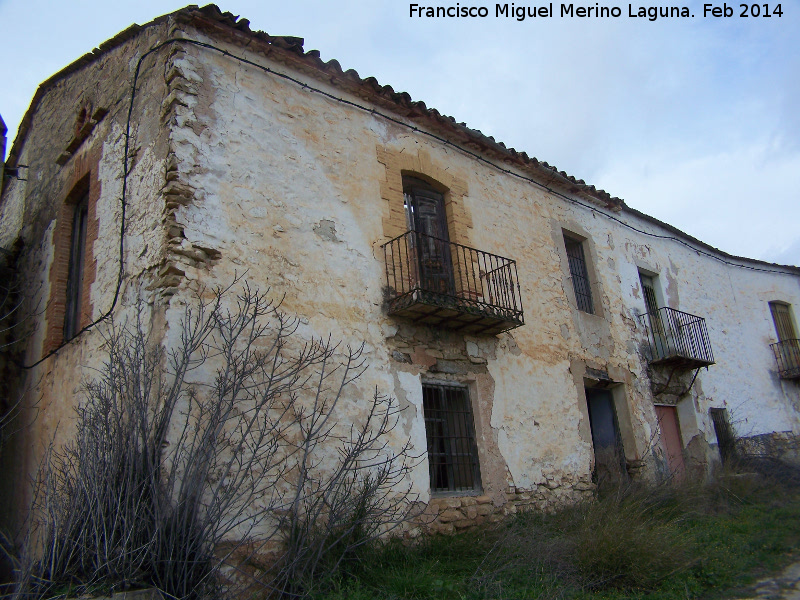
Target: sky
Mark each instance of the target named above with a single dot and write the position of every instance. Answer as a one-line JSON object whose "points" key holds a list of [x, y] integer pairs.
{"points": [[695, 120]]}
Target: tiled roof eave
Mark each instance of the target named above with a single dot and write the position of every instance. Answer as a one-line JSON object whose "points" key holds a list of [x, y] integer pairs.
{"points": [[289, 51]]}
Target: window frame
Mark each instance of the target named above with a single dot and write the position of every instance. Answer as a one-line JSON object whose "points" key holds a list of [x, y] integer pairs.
{"points": [[576, 261], [784, 323], [77, 268], [453, 463]]}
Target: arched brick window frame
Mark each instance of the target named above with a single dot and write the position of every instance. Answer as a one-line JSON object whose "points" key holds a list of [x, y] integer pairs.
{"points": [[86, 188]]}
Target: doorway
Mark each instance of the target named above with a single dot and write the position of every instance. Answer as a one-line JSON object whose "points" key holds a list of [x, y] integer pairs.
{"points": [[425, 213], [609, 455], [726, 440], [670, 434]]}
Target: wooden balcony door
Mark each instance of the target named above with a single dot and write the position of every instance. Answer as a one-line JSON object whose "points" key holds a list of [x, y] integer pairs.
{"points": [[788, 348], [427, 219], [661, 345]]}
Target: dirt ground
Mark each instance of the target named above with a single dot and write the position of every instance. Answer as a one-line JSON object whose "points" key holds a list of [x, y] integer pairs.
{"points": [[784, 586]]}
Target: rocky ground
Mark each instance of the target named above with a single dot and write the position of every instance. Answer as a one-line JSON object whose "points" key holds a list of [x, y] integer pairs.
{"points": [[784, 586]]}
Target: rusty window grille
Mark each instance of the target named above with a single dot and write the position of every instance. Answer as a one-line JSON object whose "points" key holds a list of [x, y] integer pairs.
{"points": [[579, 273], [450, 432], [77, 251]]}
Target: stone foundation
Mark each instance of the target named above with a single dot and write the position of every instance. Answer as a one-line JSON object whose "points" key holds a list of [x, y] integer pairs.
{"points": [[452, 514]]}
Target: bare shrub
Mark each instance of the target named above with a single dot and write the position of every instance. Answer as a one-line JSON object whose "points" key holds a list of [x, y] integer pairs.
{"points": [[192, 460]]}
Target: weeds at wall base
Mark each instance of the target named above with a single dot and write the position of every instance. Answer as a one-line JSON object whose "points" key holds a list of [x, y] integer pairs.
{"points": [[215, 441], [668, 543]]}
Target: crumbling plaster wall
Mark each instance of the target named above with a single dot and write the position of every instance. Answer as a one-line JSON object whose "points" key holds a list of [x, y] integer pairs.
{"points": [[285, 184], [236, 171], [734, 302], [29, 215]]}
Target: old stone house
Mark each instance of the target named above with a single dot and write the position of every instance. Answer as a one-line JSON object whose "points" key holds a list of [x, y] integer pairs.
{"points": [[541, 333]]}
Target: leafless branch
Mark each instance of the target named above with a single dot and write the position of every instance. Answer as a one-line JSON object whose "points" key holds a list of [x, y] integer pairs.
{"points": [[193, 461]]}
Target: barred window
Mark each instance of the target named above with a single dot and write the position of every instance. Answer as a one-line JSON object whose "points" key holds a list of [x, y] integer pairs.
{"points": [[579, 273], [450, 430]]}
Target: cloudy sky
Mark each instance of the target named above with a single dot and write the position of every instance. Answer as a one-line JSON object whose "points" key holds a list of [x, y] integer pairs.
{"points": [[695, 121]]}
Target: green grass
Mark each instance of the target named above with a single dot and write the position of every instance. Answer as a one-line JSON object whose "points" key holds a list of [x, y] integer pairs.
{"points": [[663, 544]]}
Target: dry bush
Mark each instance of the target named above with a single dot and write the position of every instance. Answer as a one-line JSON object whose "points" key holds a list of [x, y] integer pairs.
{"points": [[191, 460], [624, 540], [628, 541]]}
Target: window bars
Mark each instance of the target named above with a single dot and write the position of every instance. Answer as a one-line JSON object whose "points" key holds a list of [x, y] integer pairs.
{"points": [[450, 432], [579, 273]]}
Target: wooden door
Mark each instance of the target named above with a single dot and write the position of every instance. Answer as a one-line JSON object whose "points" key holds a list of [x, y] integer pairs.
{"points": [[783, 321], [657, 333], [427, 219], [671, 441]]}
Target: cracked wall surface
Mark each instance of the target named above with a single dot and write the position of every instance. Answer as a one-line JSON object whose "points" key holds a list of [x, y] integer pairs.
{"points": [[235, 172]]}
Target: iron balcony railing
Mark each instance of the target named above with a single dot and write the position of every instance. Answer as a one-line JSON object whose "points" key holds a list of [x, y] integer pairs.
{"points": [[787, 354], [440, 283], [678, 338]]}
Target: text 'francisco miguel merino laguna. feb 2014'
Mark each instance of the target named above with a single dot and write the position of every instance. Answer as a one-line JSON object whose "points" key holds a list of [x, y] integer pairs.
{"points": [[651, 13]]}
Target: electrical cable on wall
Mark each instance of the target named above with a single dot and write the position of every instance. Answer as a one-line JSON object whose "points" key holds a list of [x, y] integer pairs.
{"points": [[372, 111]]}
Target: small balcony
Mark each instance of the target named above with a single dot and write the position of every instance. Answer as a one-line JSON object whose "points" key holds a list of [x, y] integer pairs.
{"points": [[787, 354], [442, 284], [678, 339]]}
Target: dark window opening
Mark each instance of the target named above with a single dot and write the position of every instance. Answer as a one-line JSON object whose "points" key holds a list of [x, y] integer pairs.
{"points": [[653, 314], [450, 432], [649, 291], [77, 251], [580, 274], [609, 455]]}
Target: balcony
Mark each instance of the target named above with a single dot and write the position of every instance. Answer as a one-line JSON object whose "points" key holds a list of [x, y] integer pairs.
{"points": [[787, 354], [678, 339], [438, 283]]}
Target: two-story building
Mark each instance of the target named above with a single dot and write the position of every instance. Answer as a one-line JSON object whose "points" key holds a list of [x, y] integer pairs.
{"points": [[541, 334]]}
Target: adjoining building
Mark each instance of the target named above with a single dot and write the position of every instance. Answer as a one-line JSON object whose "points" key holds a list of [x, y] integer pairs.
{"points": [[542, 334]]}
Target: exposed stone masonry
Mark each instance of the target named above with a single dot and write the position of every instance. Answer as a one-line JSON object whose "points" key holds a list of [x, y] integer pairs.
{"points": [[183, 84], [449, 515]]}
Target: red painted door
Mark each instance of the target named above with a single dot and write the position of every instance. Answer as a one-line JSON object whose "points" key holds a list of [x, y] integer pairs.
{"points": [[671, 440]]}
